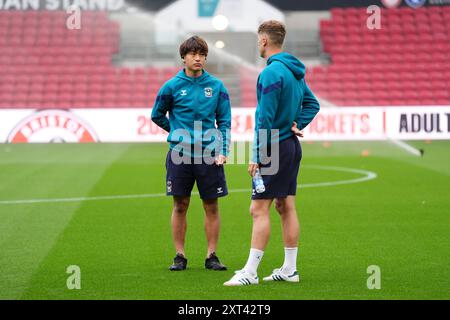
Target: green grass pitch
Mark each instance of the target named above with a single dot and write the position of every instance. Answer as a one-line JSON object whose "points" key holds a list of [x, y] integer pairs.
{"points": [[399, 221]]}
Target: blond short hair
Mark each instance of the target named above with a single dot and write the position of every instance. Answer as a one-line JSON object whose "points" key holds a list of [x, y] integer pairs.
{"points": [[275, 30]]}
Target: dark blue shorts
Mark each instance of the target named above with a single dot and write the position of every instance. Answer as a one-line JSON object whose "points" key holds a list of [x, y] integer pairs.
{"points": [[284, 182], [180, 179]]}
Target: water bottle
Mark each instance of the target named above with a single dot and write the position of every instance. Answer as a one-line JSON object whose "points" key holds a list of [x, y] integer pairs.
{"points": [[258, 182]]}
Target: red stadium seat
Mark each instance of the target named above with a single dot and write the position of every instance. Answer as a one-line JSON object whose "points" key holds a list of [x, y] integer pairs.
{"points": [[42, 65], [410, 52]]}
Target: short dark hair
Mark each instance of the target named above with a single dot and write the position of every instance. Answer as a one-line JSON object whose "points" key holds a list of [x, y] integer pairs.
{"points": [[275, 30], [194, 44]]}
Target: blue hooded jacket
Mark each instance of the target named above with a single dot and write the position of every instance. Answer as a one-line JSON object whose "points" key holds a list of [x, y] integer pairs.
{"points": [[188, 100], [283, 97]]}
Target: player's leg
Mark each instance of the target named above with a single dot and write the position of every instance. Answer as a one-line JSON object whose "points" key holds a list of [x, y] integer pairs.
{"points": [[289, 220], [212, 224], [291, 155], [211, 185], [179, 227], [179, 182], [212, 230], [260, 210], [179, 224], [291, 229]]}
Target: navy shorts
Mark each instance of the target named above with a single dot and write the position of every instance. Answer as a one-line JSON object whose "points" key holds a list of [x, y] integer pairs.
{"points": [[284, 182], [180, 179]]}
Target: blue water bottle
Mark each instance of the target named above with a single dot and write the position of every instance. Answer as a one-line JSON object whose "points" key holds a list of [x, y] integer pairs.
{"points": [[258, 182]]}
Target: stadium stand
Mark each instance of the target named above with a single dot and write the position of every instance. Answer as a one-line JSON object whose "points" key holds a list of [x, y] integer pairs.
{"points": [[45, 65], [406, 62]]}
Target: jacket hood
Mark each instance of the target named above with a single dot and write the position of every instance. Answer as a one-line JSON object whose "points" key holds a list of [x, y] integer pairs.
{"points": [[293, 64]]}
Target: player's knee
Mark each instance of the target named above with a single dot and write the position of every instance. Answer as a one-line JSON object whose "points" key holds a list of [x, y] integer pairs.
{"points": [[251, 211], [256, 212], [181, 206], [284, 207], [280, 206], [212, 212], [180, 210], [211, 207]]}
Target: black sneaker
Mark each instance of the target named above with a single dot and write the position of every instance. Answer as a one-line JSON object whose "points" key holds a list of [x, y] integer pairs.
{"points": [[213, 263], [179, 263]]}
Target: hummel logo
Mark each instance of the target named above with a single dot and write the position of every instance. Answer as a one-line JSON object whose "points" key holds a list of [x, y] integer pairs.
{"points": [[183, 92], [219, 190], [253, 192]]}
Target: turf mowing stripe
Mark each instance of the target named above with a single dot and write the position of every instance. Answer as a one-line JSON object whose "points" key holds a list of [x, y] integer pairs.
{"points": [[368, 176], [32, 231]]}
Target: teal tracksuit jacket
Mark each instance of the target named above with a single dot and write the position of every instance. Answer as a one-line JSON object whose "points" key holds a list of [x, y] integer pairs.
{"points": [[188, 100], [283, 97]]}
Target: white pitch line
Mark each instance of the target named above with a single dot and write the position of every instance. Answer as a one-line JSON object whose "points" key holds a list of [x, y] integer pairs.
{"points": [[406, 147], [368, 175], [130, 196]]}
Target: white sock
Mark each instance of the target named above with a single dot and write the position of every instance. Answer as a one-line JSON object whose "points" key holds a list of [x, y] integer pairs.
{"points": [[253, 261], [290, 260]]}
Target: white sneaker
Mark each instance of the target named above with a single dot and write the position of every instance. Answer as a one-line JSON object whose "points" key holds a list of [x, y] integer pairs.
{"points": [[279, 275], [242, 278]]}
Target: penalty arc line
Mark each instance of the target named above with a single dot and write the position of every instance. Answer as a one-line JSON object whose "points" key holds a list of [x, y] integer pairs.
{"points": [[368, 175]]}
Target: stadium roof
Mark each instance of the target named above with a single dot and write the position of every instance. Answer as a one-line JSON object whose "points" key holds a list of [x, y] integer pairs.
{"points": [[285, 5], [153, 5]]}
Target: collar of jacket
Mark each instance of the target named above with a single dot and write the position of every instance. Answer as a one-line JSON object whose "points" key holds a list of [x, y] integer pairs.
{"points": [[182, 75]]}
